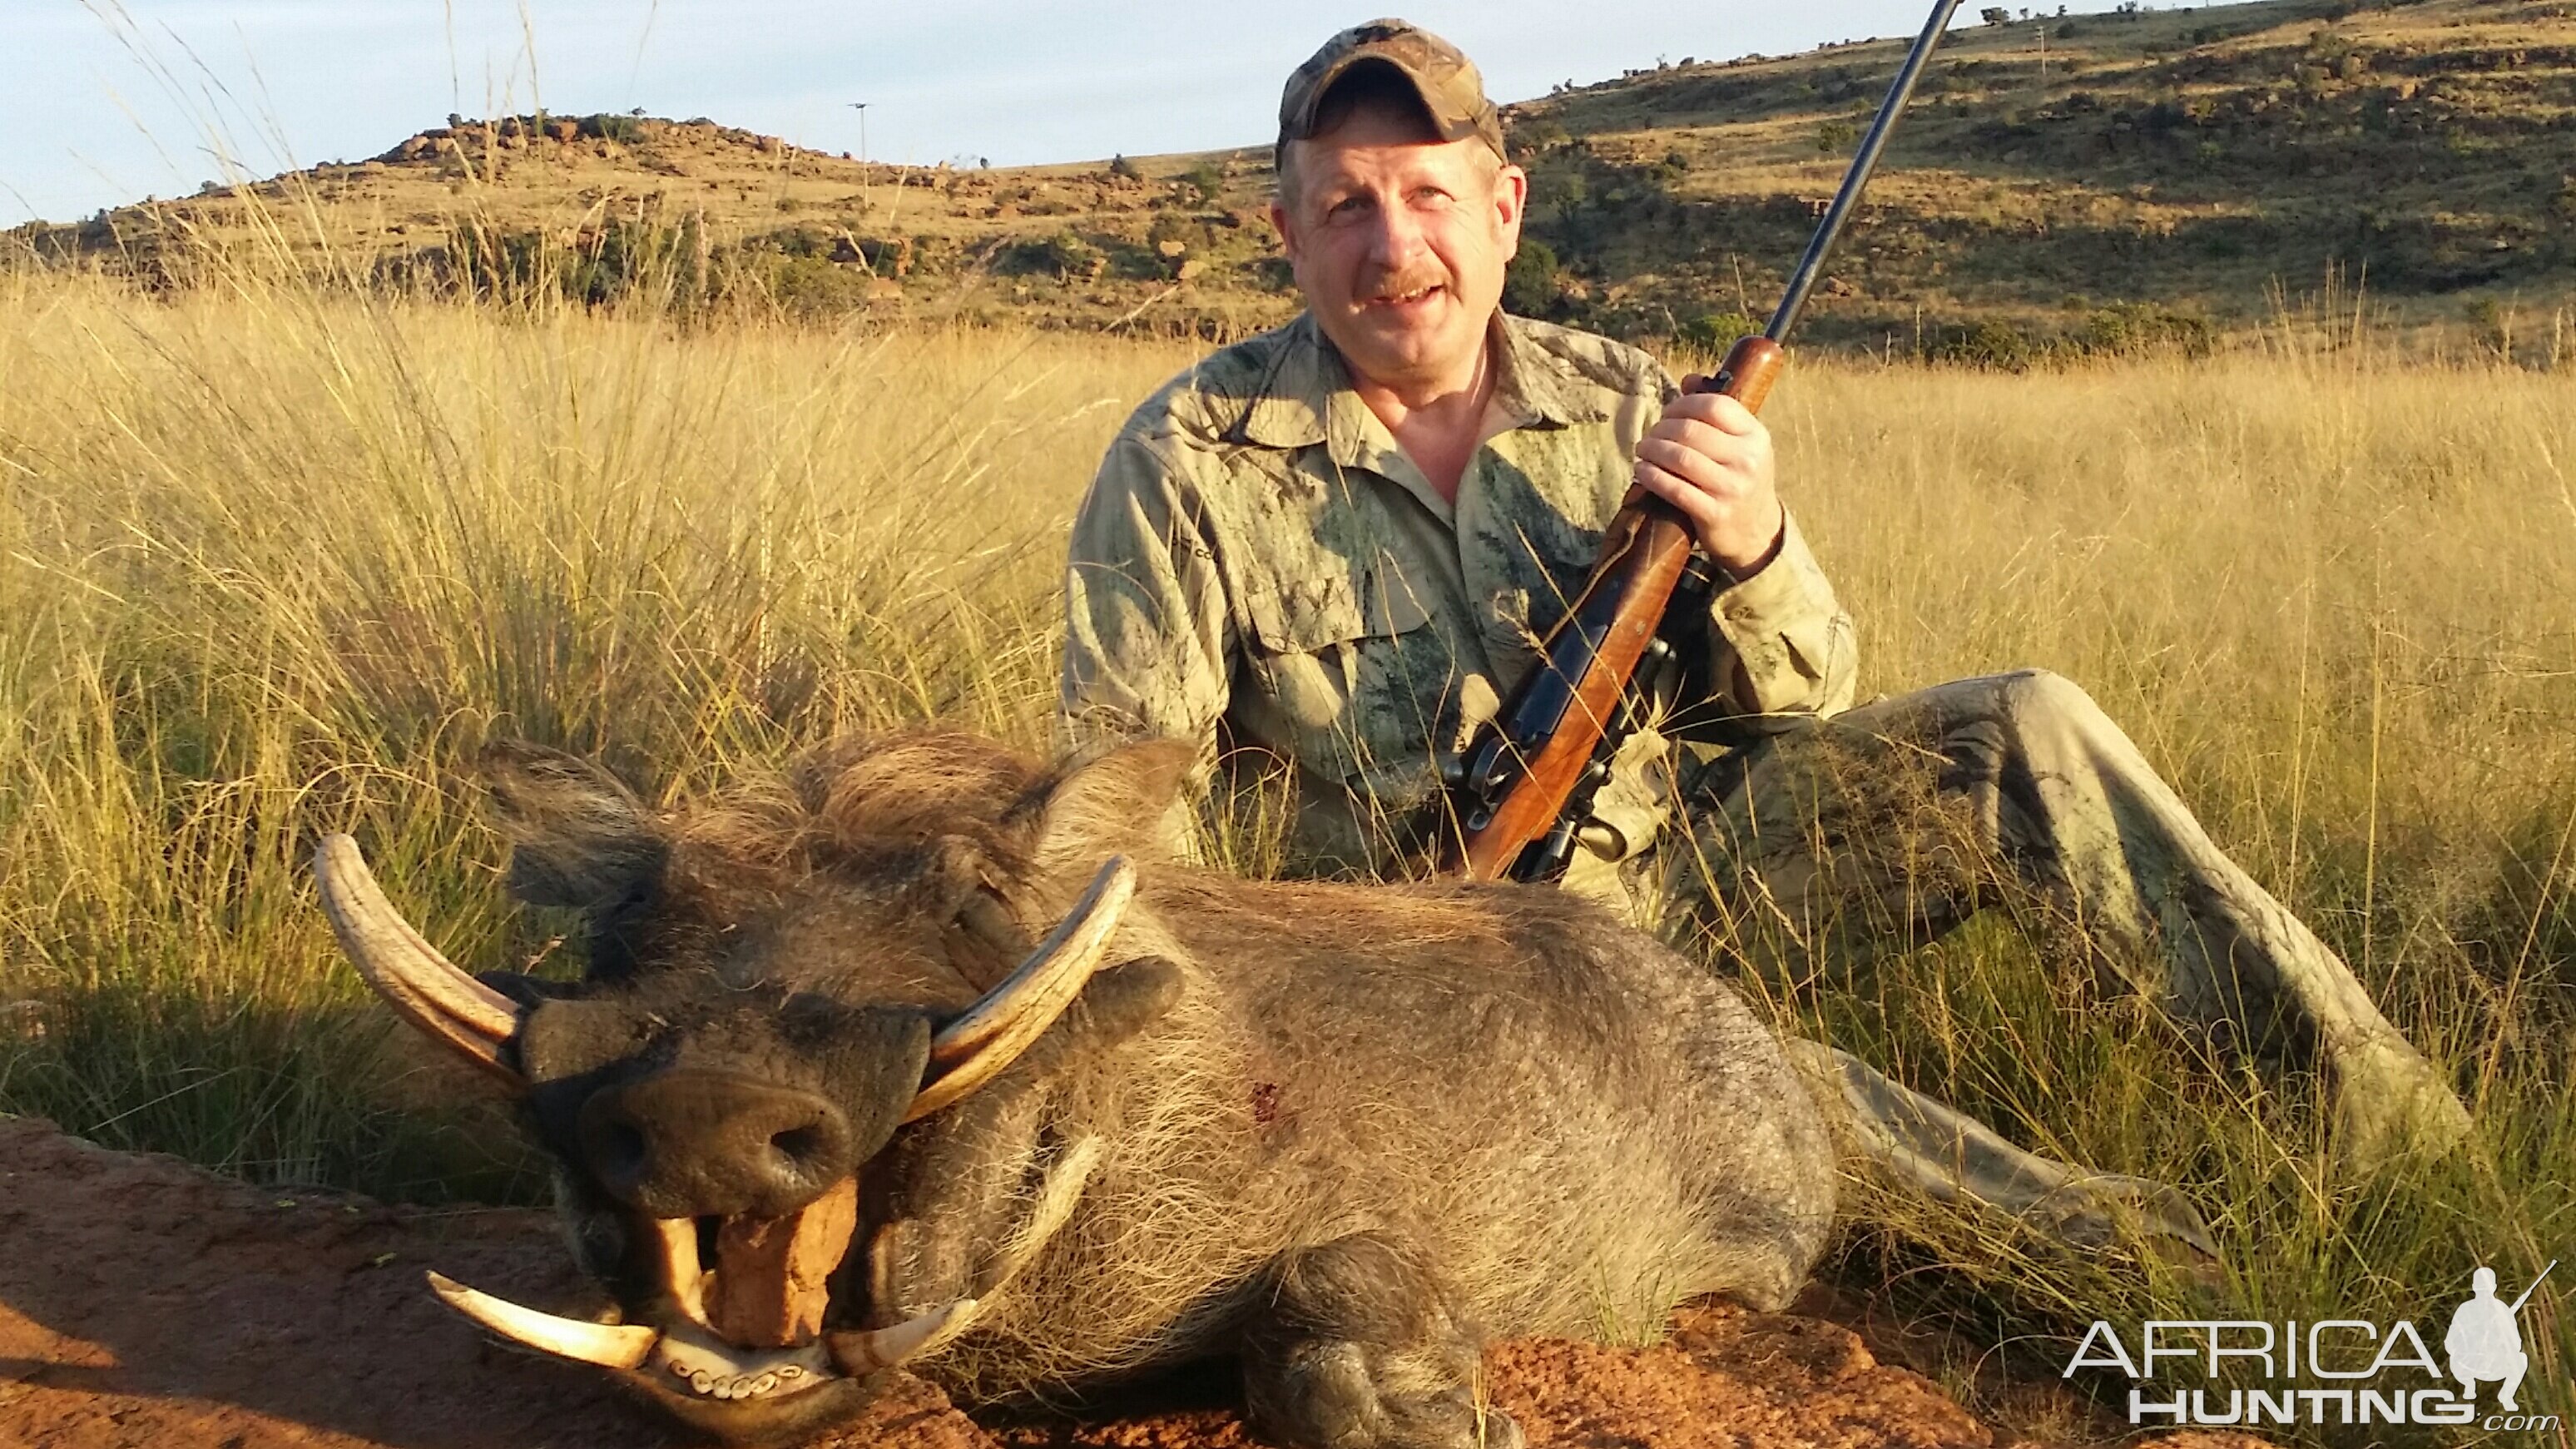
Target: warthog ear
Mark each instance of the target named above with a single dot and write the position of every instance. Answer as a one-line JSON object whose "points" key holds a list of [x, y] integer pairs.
{"points": [[1122, 802], [578, 837]]}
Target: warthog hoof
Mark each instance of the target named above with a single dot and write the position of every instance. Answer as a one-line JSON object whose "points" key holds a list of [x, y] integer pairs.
{"points": [[1355, 1347]]}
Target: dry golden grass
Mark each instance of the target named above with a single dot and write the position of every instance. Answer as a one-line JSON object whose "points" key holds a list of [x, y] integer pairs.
{"points": [[272, 564], [2334, 600]]}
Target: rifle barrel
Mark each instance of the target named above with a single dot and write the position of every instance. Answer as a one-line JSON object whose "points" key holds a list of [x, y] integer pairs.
{"points": [[1864, 161], [2527, 1292]]}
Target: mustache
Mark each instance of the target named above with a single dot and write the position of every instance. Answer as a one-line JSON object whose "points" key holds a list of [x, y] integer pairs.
{"points": [[1399, 284]]}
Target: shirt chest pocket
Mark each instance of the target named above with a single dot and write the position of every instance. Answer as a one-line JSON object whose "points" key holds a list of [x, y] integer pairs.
{"points": [[1345, 664]]}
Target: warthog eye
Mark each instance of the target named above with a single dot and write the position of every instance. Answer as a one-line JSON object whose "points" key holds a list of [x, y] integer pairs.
{"points": [[983, 916]]}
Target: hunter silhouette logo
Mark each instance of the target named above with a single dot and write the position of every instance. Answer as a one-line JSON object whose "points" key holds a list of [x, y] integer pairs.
{"points": [[2485, 1341], [2326, 1370]]}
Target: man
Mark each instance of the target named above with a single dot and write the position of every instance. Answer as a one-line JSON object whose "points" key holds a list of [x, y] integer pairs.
{"points": [[2485, 1343], [1332, 547]]}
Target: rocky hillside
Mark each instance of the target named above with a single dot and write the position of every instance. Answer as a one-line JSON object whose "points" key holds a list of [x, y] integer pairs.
{"points": [[2145, 178], [2117, 178]]}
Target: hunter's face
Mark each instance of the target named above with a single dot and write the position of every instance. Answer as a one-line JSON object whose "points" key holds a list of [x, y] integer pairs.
{"points": [[1399, 243]]}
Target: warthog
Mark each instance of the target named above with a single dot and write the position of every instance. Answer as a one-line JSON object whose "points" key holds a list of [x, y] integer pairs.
{"points": [[879, 1062]]}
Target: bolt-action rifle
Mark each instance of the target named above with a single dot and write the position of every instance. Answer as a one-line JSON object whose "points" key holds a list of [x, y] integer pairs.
{"points": [[1522, 792]]}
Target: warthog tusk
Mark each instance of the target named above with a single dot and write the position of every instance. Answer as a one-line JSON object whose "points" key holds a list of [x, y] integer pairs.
{"points": [[977, 1046], [678, 1240], [427, 989], [1057, 1195], [862, 1353], [617, 1346], [707, 1367]]}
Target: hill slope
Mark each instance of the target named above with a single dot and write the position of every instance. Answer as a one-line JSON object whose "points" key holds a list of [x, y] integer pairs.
{"points": [[2184, 159], [2112, 178]]}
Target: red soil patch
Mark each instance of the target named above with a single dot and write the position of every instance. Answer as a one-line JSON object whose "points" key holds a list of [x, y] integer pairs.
{"points": [[146, 1303]]}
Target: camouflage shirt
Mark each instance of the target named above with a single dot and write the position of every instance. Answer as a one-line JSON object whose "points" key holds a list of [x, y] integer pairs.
{"points": [[1259, 567]]}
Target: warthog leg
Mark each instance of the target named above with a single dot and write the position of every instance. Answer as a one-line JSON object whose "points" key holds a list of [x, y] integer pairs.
{"points": [[1355, 1347]]}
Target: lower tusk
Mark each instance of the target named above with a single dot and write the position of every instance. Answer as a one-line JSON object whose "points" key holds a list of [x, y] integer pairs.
{"points": [[1061, 1190], [617, 1346], [862, 1353]]}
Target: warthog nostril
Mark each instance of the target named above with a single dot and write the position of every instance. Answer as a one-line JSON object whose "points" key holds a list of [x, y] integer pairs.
{"points": [[802, 1146], [619, 1152], [622, 1151]]}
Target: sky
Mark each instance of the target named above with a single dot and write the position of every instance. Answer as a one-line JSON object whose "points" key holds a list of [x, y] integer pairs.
{"points": [[104, 102]]}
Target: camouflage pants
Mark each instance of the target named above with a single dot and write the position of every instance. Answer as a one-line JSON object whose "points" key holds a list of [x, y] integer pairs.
{"points": [[1885, 826]]}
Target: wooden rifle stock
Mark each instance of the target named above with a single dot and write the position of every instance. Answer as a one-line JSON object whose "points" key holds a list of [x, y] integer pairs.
{"points": [[1546, 744]]}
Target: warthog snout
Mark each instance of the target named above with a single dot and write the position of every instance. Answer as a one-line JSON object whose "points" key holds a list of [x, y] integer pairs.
{"points": [[699, 1143]]}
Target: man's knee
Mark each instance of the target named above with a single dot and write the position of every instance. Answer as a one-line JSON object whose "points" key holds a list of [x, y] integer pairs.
{"points": [[2036, 697], [2052, 724], [2031, 703]]}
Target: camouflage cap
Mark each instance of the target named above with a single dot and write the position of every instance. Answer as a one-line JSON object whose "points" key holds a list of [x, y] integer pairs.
{"points": [[1439, 72]]}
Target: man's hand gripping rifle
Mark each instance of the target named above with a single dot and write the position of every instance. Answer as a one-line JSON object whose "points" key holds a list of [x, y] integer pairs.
{"points": [[1522, 793]]}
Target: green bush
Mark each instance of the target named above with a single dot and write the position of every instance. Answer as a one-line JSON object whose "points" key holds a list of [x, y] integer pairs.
{"points": [[801, 286], [623, 257], [1530, 285], [1063, 254], [2140, 329], [1530, 139], [1714, 332], [1990, 345], [793, 241]]}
